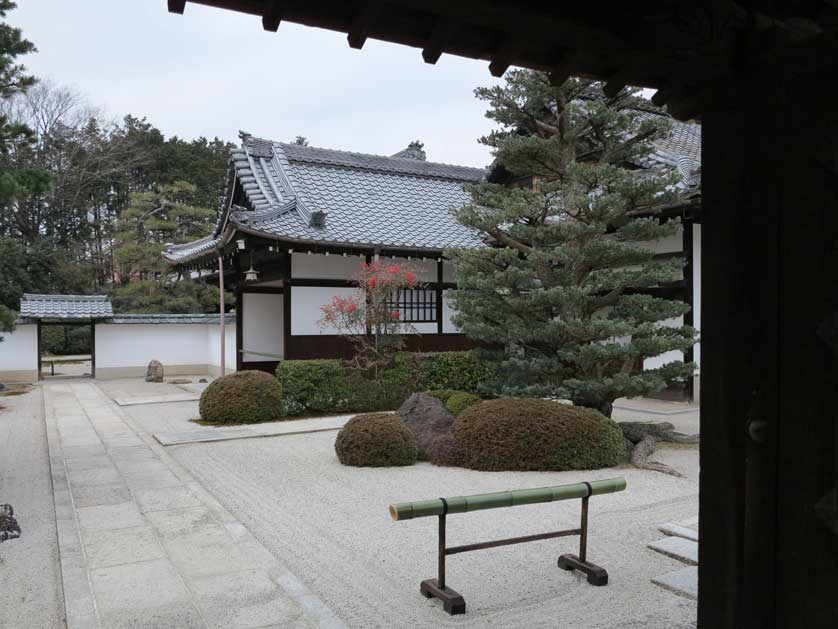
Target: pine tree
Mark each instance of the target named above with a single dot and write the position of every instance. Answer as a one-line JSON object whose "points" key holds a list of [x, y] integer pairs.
{"points": [[561, 296]]}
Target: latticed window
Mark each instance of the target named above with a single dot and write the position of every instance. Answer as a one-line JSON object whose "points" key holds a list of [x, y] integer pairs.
{"points": [[415, 305]]}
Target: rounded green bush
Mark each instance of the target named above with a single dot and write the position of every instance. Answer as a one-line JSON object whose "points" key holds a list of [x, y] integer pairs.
{"points": [[376, 440], [244, 397], [460, 401], [537, 435]]}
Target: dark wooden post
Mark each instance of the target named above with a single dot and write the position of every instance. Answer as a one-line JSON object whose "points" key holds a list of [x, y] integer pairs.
{"points": [[769, 450]]}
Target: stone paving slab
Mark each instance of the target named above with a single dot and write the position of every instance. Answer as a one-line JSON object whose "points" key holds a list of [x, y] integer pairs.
{"points": [[209, 434], [142, 544], [678, 548], [157, 399], [676, 530], [683, 582]]}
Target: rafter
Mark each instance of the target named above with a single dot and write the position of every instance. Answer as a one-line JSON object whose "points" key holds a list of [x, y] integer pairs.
{"points": [[272, 15], [362, 23], [437, 40]]}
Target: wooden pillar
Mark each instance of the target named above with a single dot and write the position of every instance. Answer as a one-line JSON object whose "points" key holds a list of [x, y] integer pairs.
{"points": [[769, 424], [287, 348]]}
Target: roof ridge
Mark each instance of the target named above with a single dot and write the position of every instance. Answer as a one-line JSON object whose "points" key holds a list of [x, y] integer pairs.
{"points": [[66, 297], [406, 160]]}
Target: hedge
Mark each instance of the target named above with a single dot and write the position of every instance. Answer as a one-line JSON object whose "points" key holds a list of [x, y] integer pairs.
{"points": [[375, 440], [533, 434], [328, 386], [460, 401]]}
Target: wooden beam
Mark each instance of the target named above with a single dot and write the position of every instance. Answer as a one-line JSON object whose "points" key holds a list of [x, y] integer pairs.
{"points": [[272, 15], [562, 68], [437, 40], [362, 23], [501, 59], [177, 6], [614, 85]]}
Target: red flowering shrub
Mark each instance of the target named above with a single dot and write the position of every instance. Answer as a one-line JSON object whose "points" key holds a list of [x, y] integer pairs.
{"points": [[368, 317]]}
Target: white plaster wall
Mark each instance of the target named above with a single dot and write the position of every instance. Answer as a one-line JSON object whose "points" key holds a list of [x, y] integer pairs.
{"points": [[447, 271], [323, 267], [135, 345], [306, 302], [212, 346], [670, 244], [447, 312], [667, 357], [697, 289], [262, 325], [19, 349]]}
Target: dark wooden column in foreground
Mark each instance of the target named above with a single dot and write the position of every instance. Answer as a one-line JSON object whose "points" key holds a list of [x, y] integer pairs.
{"points": [[769, 394]]}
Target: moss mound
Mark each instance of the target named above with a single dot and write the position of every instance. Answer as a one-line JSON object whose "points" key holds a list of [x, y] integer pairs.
{"points": [[537, 435], [376, 440], [244, 397], [460, 401]]}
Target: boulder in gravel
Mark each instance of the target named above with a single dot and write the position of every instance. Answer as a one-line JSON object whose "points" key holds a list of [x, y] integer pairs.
{"points": [[659, 431], [433, 426], [154, 373]]}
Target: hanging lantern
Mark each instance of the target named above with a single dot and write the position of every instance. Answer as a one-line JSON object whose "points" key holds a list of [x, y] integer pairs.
{"points": [[251, 275]]}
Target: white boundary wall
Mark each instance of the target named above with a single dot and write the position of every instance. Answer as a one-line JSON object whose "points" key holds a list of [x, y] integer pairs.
{"points": [[123, 350], [19, 354]]}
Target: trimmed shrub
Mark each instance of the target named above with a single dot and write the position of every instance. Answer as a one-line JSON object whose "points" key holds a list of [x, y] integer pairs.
{"points": [[314, 386], [375, 440], [243, 397], [442, 394], [460, 401], [329, 386], [460, 371], [531, 434]]}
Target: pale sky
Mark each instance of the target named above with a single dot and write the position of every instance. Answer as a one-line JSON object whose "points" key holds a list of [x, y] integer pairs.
{"points": [[211, 72]]}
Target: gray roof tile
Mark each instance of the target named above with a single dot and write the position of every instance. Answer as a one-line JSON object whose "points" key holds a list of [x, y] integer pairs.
{"points": [[34, 306]]}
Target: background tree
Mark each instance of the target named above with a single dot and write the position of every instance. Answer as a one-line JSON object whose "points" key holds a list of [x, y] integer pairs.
{"points": [[565, 292]]}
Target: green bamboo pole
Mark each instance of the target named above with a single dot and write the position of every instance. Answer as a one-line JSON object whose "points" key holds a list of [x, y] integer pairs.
{"points": [[514, 498]]}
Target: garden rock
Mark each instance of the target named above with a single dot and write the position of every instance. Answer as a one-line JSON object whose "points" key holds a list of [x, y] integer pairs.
{"points": [[154, 373], [433, 426], [2, 387]]}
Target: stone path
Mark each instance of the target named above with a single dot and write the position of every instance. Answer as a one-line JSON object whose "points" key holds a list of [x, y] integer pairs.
{"points": [[142, 543], [681, 544]]}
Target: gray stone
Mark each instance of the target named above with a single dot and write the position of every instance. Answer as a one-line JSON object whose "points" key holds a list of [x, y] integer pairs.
{"points": [[243, 599], [433, 426], [683, 582], [118, 516], [144, 594], [154, 373], [113, 547], [203, 380], [678, 548], [676, 530]]}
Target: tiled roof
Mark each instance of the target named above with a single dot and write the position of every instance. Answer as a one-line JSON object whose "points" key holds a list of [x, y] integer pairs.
{"points": [[172, 318], [191, 250], [65, 306], [301, 193]]}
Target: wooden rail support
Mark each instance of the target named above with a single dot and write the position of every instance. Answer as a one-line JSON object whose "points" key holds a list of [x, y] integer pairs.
{"points": [[452, 601]]}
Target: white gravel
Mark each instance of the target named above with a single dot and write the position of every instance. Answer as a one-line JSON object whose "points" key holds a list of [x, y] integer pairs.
{"points": [[30, 590], [330, 526]]}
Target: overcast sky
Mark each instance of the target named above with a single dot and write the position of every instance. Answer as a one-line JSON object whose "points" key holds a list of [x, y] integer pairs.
{"points": [[211, 72]]}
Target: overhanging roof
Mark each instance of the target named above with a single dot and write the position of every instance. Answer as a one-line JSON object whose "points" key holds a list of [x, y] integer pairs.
{"points": [[688, 50], [65, 307]]}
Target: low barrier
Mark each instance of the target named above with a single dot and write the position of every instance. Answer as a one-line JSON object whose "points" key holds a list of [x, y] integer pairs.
{"points": [[453, 602]]}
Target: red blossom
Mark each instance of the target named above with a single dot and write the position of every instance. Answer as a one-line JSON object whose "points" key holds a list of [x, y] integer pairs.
{"points": [[393, 269], [410, 278], [395, 314], [372, 282]]}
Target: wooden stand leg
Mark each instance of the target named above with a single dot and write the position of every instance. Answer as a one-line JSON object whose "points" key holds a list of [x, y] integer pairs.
{"points": [[452, 602], [596, 575]]}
